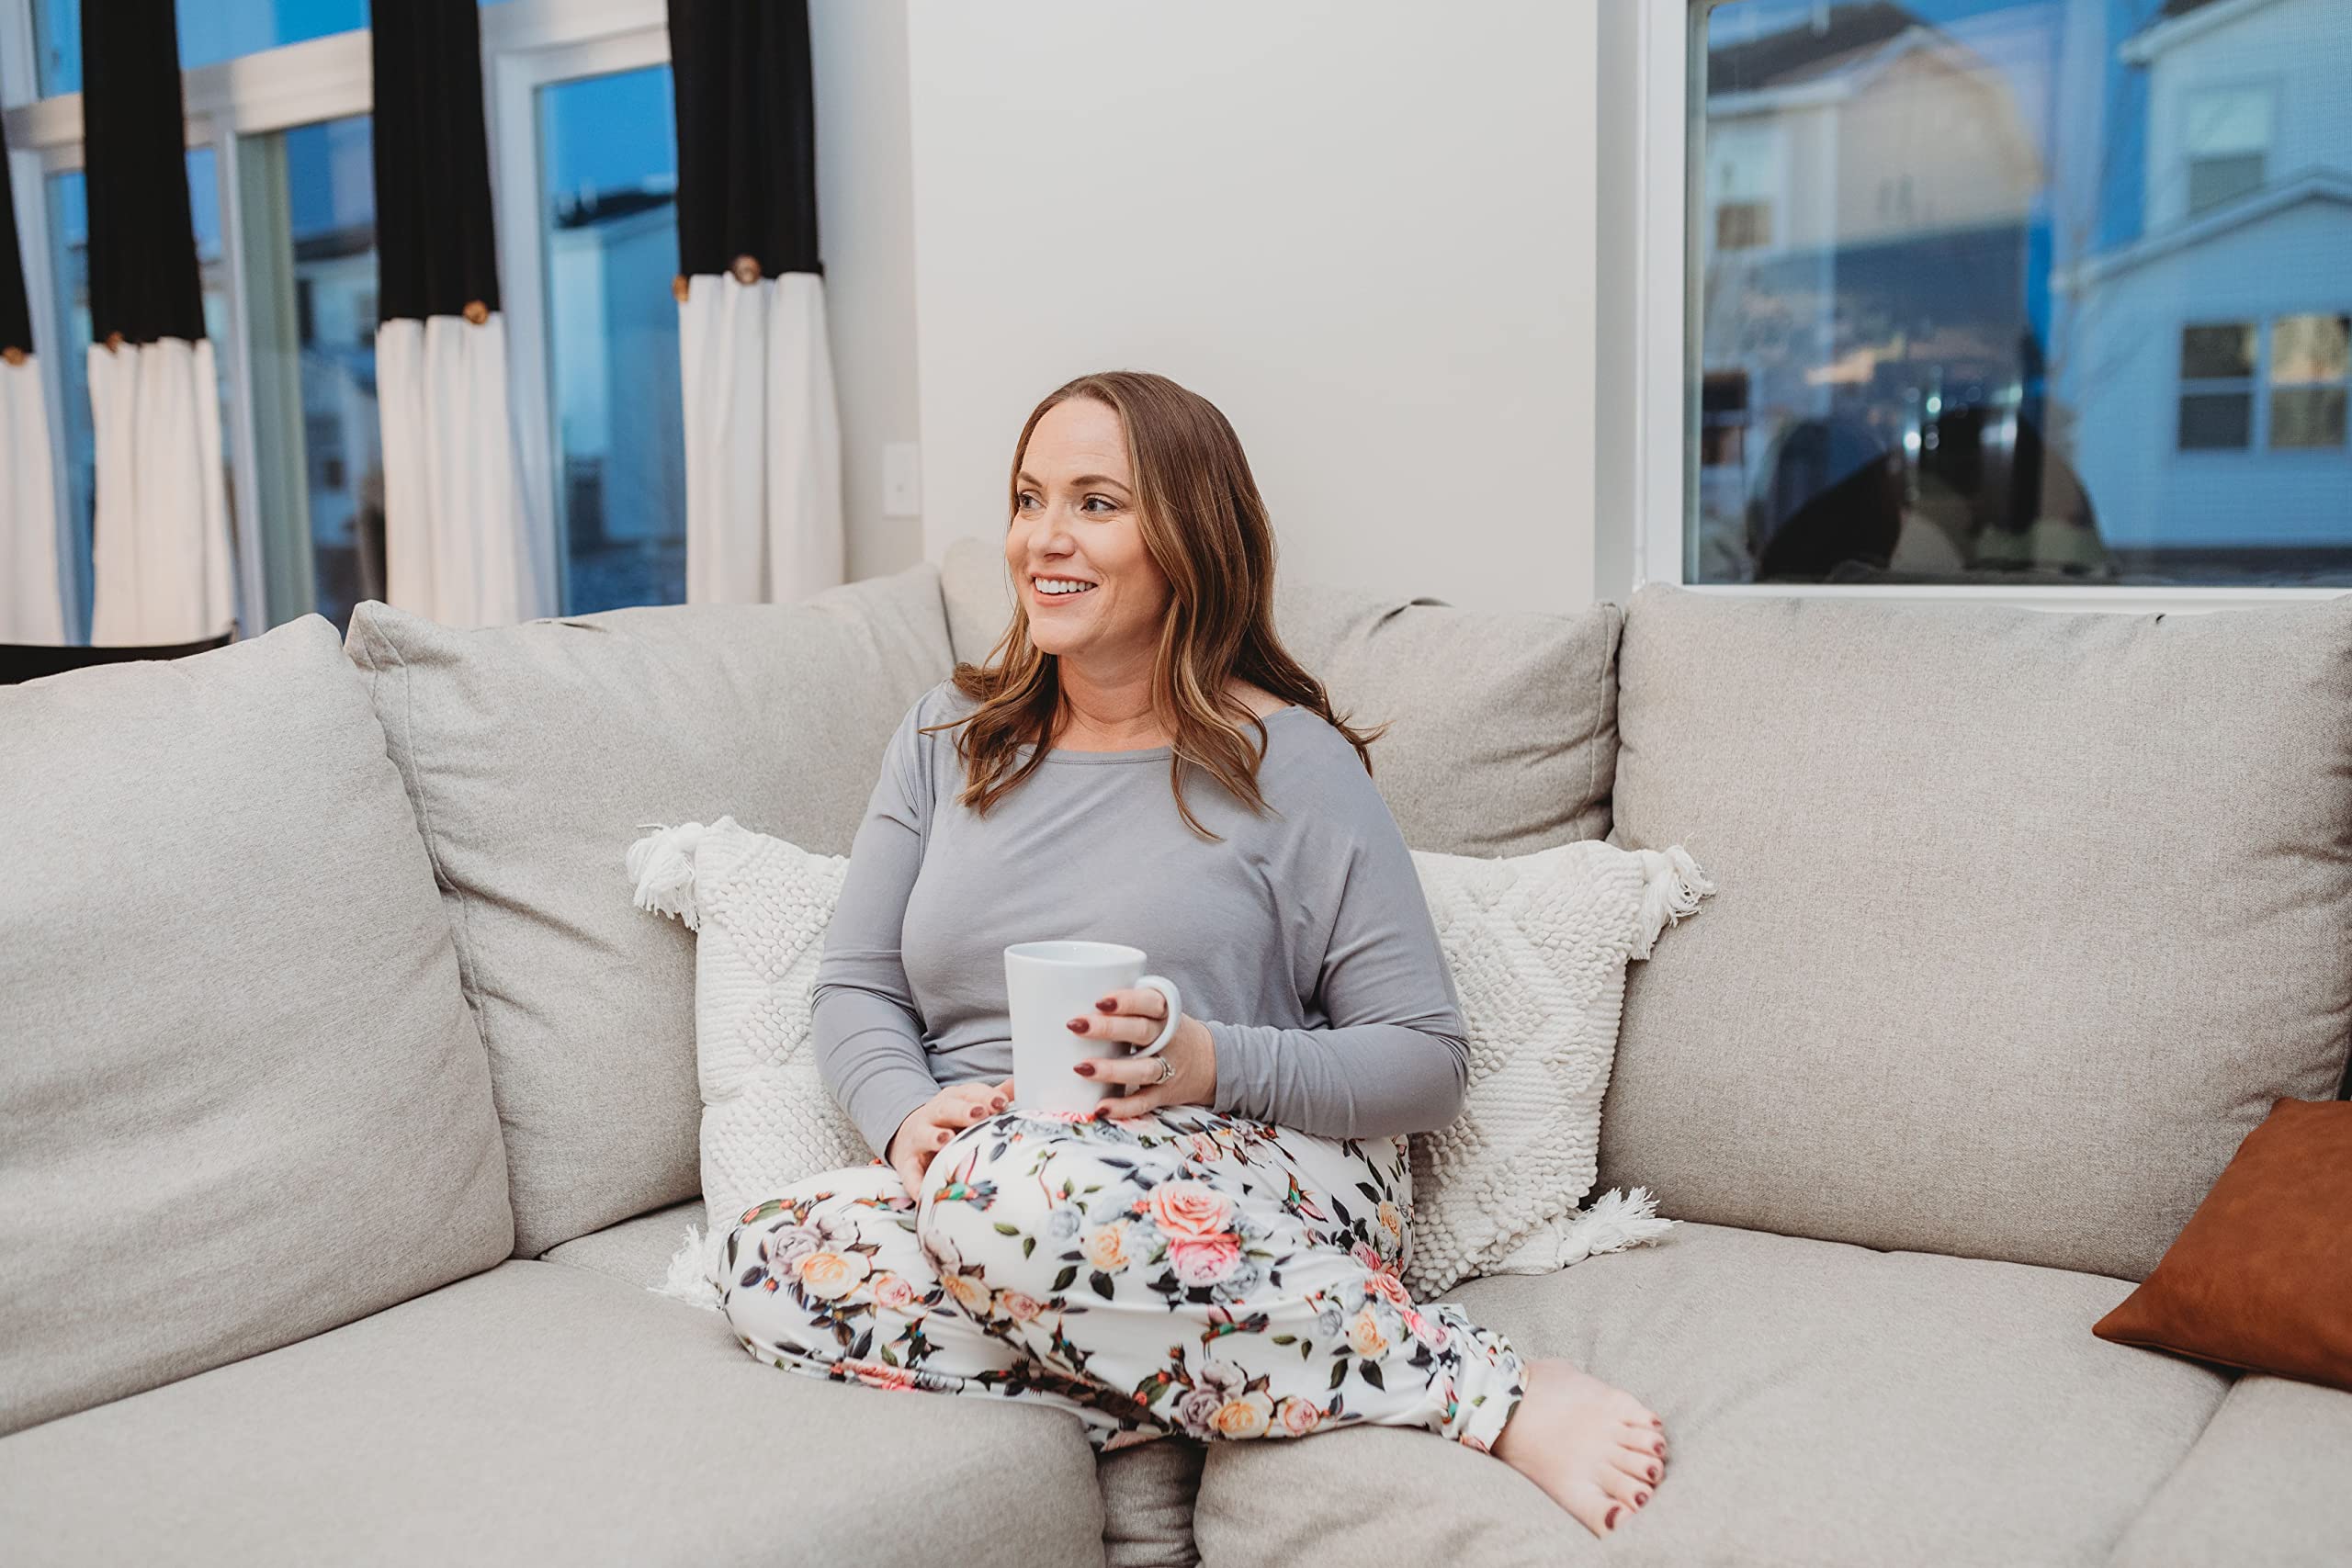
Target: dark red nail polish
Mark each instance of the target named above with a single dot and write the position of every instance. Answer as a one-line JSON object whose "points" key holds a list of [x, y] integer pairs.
{"points": [[1640, 1498], [1106, 1005], [1079, 1025], [1610, 1522], [1086, 1069], [1653, 1472]]}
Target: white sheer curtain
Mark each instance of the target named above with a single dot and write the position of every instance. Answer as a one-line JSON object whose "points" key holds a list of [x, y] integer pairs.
{"points": [[763, 450], [159, 561], [462, 544], [32, 604]]}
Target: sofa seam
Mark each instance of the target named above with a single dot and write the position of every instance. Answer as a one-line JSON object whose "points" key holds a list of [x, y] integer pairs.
{"points": [[2148, 1500], [1605, 706], [467, 976]]}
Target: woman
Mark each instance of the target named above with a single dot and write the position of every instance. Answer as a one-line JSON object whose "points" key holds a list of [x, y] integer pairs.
{"points": [[1214, 1253]]}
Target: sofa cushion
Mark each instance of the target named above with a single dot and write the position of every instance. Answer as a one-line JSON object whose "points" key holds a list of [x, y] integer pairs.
{"points": [[534, 753], [2266, 1483], [1824, 1405], [1525, 766], [1146, 1489], [2024, 920], [537, 1414], [638, 1250], [242, 1097]]}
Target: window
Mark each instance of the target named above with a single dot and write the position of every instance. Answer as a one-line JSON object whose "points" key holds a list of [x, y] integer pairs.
{"points": [[309, 200], [281, 179], [2217, 386], [608, 234], [2308, 366], [2225, 141], [2012, 293], [210, 31]]}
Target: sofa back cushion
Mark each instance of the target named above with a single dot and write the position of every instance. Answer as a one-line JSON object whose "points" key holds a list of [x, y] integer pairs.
{"points": [[536, 754], [2023, 919], [1504, 732], [241, 1101]]}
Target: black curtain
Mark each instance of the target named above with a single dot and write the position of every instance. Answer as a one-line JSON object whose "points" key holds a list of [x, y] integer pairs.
{"points": [[747, 137], [435, 254], [143, 279], [16, 315]]}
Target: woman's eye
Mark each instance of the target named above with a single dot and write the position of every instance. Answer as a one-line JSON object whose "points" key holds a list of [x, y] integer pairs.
{"points": [[1023, 499], [1105, 500]]}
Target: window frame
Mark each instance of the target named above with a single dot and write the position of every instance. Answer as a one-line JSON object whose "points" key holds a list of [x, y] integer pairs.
{"points": [[1653, 348], [283, 89]]}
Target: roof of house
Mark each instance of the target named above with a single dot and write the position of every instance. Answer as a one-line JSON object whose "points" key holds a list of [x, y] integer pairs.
{"points": [[2325, 186], [2180, 21], [1801, 52]]}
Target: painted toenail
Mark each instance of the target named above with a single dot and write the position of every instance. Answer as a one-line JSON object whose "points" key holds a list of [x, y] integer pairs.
{"points": [[1610, 1522], [1653, 1472]]}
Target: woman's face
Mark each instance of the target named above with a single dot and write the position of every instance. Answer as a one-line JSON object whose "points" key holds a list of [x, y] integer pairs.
{"points": [[1075, 521]]}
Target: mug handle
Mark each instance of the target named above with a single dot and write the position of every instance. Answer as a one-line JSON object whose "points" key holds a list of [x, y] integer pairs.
{"points": [[1166, 988]]}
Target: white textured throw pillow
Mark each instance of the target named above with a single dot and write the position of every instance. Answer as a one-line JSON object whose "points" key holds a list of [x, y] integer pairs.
{"points": [[759, 907], [1538, 946]]}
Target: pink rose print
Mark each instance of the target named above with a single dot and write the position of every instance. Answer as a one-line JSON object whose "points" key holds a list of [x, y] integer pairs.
{"points": [[879, 1374], [1388, 1288], [1204, 1261], [1188, 1211], [895, 1291], [1298, 1417]]}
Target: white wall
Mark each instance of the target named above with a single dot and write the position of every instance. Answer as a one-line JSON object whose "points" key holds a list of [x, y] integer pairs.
{"points": [[865, 233], [1365, 230]]}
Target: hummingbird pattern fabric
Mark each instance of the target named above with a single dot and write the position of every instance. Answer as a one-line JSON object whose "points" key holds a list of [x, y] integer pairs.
{"points": [[1192, 1273]]}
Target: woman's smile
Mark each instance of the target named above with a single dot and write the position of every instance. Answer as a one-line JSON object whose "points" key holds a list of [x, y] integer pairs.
{"points": [[1048, 589]]}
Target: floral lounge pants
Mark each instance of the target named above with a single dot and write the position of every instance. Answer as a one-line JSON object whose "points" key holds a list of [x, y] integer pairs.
{"points": [[1189, 1273]]}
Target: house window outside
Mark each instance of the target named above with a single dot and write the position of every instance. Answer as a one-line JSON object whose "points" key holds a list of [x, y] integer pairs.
{"points": [[1998, 284], [2225, 144], [2308, 369], [2217, 386]]}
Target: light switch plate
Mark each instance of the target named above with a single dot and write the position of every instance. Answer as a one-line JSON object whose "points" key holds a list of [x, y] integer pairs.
{"points": [[901, 479]]}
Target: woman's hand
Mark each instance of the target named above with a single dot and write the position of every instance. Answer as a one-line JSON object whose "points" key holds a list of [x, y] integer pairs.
{"points": [[929, 1126], [1136, 1016]]}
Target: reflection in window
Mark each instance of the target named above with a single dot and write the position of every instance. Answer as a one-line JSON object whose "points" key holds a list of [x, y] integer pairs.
{"points": [[2216, 386], [1988, 290], [609, 233], [69, 240], [2225, 140], [2308, 364]]}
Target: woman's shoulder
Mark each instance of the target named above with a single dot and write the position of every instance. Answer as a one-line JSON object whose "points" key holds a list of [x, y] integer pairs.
{"points": [[942, 703], [1312, 763]]}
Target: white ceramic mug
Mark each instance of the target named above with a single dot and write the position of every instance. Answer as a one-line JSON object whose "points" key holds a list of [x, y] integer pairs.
{"points": [[1049, 983]]}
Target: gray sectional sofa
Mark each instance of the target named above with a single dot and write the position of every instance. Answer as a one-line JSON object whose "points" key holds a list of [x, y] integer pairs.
{"points": [[350, 1109]]}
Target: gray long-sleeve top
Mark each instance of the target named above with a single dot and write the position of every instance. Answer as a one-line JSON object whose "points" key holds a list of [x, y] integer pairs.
{"points": [[1301, 940]]}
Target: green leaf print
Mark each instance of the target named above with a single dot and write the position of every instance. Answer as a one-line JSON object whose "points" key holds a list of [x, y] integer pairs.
{"points": [[1369, 1191], [1371, 1371], [1062, 1280], [1004, 1229], [1338, 1371], [1285, 1339], [1028, 1245], [1101, 1283]]}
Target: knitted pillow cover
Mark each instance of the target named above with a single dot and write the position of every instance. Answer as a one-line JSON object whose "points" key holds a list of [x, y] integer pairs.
{"points": [[1537, 945]]}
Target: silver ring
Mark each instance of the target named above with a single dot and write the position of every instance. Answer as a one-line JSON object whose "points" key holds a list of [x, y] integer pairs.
{"points": [[1167, 1071]]}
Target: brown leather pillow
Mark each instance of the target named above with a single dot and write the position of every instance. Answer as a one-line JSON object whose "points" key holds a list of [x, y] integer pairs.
{"points": [[2261, 1276]]}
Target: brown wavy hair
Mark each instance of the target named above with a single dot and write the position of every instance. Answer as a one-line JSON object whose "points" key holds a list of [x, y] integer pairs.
{"points": [[1205, 527]]}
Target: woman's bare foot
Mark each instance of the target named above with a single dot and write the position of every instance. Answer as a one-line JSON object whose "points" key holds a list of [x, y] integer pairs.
{"points": [[1597, 1449]]}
